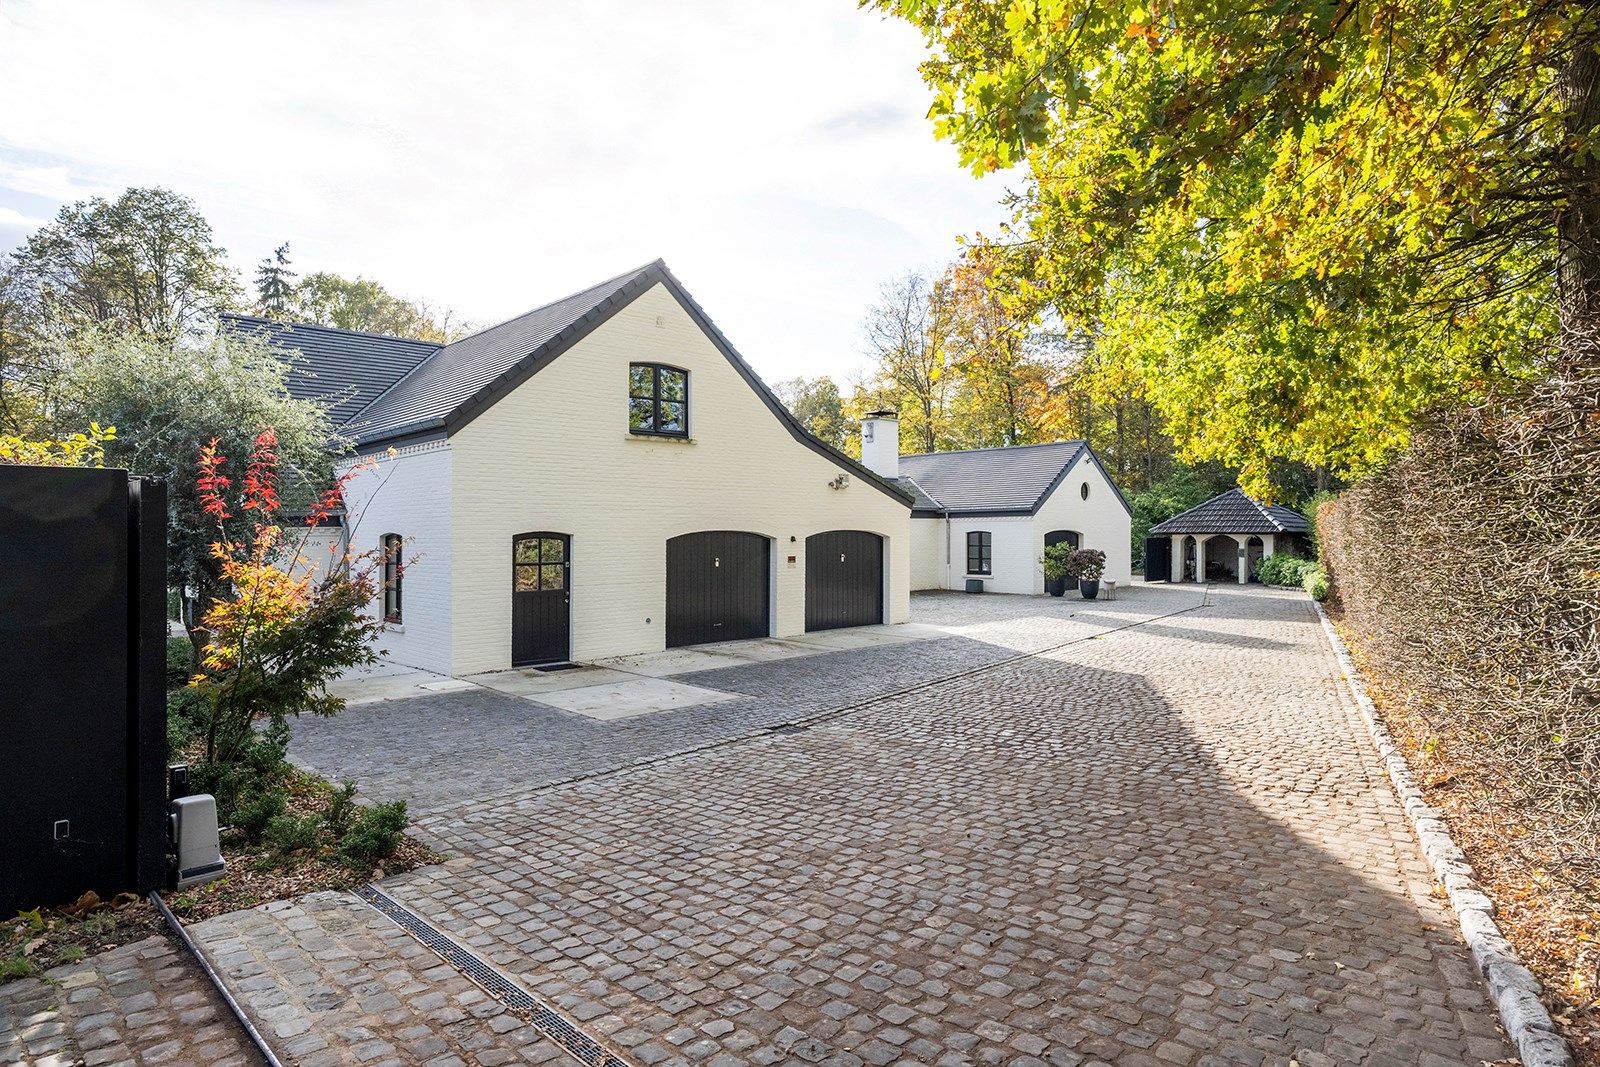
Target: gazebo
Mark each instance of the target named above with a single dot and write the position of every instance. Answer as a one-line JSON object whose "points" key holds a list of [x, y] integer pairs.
{"points": [[1223, 539]]}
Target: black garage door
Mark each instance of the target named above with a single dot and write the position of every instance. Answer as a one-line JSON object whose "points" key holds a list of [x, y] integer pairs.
{"points": [[717, 587], [844, 579]]}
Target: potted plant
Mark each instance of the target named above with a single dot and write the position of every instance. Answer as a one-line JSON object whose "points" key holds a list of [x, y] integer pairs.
{"points": [[1087, 565], [1054, 562]]}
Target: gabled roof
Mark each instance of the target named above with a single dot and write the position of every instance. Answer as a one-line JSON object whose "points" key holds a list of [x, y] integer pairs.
{"points": [[452, 385], [345, 369], [1235, 513], [920, 500], [1014, 480]]}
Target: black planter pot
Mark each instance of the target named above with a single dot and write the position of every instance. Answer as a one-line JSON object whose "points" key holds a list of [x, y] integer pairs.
{"points": [[1089, 587], [1055, 586]]}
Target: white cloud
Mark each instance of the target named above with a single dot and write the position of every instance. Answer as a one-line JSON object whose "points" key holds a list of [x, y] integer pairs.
{"points": [[13, 217], [490, 156]]}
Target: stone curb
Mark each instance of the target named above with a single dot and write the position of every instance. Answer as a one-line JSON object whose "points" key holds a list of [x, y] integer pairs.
{"points": [[1514, 988]]}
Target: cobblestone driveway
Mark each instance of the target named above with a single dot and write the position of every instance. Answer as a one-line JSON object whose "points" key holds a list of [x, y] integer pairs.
{"points": [[1168, 844]]}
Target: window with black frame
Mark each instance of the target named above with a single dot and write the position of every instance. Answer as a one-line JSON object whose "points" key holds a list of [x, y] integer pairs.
{"points": [[658, 400], [393, 575], [979, 549]]}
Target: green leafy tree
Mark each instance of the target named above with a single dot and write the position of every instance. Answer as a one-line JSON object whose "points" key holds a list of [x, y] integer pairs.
{"points": [[275, 284], [168, 402], [1300, 225], [145, 263], [819, 407], [909, 334], [362, 304], [1181, 490]]}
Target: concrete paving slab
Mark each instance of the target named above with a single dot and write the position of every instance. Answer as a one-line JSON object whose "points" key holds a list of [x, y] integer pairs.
{"points": [[632, 696], [856, 637], [391, 682], [534, 683], [672, 661]]}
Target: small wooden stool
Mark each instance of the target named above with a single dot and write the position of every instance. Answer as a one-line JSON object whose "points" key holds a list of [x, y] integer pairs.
{"points": [[1108, 590]]}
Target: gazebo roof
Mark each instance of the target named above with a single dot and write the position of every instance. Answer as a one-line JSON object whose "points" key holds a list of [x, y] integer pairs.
{"points": [[1234, 513]]}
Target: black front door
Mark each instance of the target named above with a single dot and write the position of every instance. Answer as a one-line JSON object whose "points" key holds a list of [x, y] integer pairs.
{"points": [[717, 587], [541, 599], [1056, 537], [844, 579]]}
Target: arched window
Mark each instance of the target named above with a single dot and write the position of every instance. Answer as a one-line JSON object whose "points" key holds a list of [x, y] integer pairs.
{"points": [[393, 575]]}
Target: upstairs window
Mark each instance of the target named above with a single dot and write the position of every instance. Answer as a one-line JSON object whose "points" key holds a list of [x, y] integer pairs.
{"points": [[393, 575], [658, 400], [979, 551]]}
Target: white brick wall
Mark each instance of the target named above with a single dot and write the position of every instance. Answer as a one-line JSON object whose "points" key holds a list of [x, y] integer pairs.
{"points": [[409, 494], [555, 455], [928, 570], [1101, 521]]}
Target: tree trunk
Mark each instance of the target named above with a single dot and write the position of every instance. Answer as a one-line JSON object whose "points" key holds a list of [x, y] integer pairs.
{"points": [[1578, 224]]}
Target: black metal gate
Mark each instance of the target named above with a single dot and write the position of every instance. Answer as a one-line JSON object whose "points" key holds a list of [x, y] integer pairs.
{"points": [[83, 702], [844, 579], [717, 587], [1157, 559]]}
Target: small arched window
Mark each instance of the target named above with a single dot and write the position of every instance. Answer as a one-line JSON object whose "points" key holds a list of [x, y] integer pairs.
{"points": [[393, 576]]}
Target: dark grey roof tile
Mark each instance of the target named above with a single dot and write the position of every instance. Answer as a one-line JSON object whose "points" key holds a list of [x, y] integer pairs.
{"points": [[1234, 512], [1013, 478], [345, 369]]}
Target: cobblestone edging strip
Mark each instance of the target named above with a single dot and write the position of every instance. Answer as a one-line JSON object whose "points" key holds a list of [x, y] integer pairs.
{"points": [[1514, 988]]}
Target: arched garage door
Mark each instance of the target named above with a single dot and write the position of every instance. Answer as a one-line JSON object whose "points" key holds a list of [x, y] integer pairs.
{"points": [[844, 579], [717, 587]]}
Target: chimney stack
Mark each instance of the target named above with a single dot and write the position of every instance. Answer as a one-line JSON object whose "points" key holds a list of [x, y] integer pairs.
{"points": [[880, 443]]}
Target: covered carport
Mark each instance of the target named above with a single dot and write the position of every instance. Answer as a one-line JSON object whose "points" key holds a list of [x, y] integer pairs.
{"points": [[1225, 539]]}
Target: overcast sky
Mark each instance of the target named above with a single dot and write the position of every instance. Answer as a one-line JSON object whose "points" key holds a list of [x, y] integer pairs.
{"points": [[493, 156]]}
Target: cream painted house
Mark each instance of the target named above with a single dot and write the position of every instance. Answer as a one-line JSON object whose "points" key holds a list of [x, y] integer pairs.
{"points": [[602, 476], [985, 515]]}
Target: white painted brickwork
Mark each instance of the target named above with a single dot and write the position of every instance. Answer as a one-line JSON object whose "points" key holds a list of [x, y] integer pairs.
{"points": [[409, 494], [1101, 520], [555, 455]]}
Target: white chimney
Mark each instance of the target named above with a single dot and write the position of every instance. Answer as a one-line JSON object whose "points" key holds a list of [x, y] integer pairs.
{"points": [[880, 443]]}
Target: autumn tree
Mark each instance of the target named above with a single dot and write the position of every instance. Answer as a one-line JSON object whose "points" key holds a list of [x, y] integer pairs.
{"points": [[362, 304], [144, 264], [908, 333], [1300, 224], [168, 402], [817, 403]]}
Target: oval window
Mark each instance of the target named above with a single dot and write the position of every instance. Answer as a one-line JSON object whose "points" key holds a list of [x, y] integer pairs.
{"points": [[1084, 491]]}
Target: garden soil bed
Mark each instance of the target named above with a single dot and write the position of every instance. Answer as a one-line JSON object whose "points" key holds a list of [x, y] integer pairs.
{"points": [[36, 941]]}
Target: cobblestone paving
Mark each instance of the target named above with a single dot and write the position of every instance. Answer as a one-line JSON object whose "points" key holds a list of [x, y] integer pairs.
{"points": [[146, 1003], [328, 980], [1166, 845], [441, 751]]}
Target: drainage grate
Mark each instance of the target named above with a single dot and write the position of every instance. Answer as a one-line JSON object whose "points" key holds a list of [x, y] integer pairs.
{"points": [[557, 1028]]}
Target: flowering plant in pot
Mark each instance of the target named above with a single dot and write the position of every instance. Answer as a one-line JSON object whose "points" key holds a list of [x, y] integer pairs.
{"points": [[1054, 562], [1087, 565]]}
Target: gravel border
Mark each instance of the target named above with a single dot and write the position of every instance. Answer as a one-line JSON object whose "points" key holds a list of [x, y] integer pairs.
{"points": [[1514, 988]]}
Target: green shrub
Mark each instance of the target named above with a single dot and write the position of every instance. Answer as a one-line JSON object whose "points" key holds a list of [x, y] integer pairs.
{"points": [[180, 661], [288, 834], [1283, 570], [340, 810], [254, 811], [374, 836], [186, 717], [1316, 582]]}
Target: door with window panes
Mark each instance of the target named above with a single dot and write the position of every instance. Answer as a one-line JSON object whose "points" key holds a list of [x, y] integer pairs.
{"points": [[541, 599]]}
